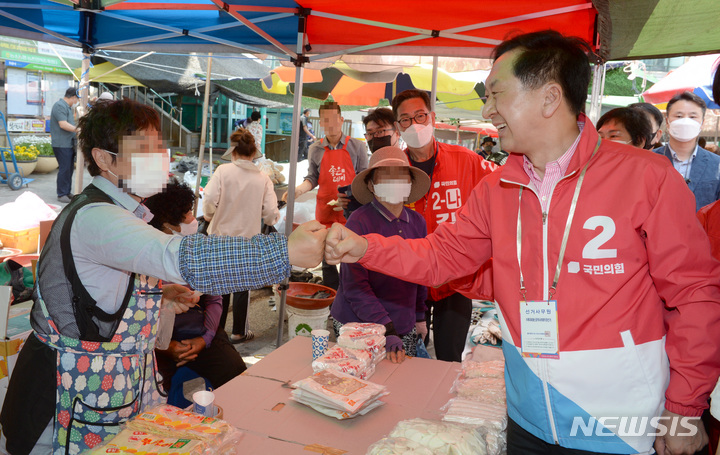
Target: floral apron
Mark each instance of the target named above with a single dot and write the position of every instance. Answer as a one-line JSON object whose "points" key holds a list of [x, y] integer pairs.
{"points": [[102, 384], [336, 169]]}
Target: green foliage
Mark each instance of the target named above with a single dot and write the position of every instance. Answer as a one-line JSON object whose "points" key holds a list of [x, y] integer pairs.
{"points": [[618, 84]]}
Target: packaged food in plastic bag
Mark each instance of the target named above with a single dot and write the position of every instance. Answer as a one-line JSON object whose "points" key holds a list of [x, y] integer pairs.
{"points": [[363, 327], [340, 390], [141, 443], [322, 407], [398, 446], [359, 339], [489, 369], [167, 420], [485, 390], [442, 438], [352, 361], [491, 416]]}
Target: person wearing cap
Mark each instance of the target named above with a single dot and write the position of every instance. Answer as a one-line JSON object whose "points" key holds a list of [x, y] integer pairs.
{"points": [[236, 199], [486, 146], [365, 296], [62, 137]]}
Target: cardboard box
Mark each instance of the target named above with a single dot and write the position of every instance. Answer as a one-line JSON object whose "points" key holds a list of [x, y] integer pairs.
{"points": [[25, 240], [258, 401]]}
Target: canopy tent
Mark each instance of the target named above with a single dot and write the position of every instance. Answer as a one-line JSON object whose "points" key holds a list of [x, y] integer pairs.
{"points": [[108, 73], [322, 29]]}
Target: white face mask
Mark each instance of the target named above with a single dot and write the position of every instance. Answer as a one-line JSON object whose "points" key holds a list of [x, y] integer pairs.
{"points": [[189, 228], [149, 173], [684, 129], [416, 136], [621, 142], [392, 191]]}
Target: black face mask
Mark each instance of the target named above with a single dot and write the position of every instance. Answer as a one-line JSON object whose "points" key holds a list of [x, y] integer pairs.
{"points": [[377, 143]]}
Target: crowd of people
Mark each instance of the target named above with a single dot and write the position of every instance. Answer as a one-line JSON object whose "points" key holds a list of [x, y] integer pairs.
{"points": [[586, 237]]}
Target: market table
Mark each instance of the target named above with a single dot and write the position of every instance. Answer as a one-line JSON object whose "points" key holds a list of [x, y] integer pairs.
{"points": [[258, 402]]}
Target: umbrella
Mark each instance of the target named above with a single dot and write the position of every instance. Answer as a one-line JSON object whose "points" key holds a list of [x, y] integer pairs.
{"points": [[696, 73]]}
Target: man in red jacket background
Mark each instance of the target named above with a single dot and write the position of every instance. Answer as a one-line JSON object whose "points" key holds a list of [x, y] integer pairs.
{"points": [[454, 171]]}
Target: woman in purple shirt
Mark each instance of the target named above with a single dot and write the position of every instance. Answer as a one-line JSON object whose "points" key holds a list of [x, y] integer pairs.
{"points": [[365, 296]]}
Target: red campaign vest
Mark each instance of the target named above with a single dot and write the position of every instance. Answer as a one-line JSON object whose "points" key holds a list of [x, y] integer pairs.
{"points": [[336, 169]]}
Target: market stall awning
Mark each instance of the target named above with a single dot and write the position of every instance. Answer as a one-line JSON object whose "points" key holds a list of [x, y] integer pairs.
{"points": [[108, 73]]}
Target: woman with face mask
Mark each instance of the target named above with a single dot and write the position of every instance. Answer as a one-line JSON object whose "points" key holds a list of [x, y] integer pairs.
{"points": [[89, 364], [365, 296], [699, 167], [237, 200]]}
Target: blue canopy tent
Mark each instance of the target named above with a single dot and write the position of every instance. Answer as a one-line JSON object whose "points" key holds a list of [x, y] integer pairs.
{"points": [[327, 29]]}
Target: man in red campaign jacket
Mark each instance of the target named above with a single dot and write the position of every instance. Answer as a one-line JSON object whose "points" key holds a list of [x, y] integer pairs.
{"points": [[454, 171], [607, 293]]}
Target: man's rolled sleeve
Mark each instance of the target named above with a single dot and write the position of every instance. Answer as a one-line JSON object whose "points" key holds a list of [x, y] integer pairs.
{"points": [[220, 265]]}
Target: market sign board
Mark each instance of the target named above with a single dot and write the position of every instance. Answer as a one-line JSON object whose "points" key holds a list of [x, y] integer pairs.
{"points": [[38, 56]]}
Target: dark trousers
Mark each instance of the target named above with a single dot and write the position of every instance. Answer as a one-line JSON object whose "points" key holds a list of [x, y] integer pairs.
{"points": [[521, 442], [218, 363], [240, 304], [451, 322], [331, 276], [66, 161], [302, 149]]}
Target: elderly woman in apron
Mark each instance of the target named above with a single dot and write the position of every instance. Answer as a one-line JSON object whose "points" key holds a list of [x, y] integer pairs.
{"points": [[89, 364]]}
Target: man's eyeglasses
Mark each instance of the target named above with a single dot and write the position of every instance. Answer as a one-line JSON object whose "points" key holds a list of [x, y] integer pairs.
{"points": [[419, 119], [378, 133]]}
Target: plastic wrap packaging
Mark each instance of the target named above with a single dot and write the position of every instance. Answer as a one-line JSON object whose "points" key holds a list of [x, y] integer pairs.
{"points": [[490, 369], [378, 329], [321, 406], [442, 438], [359, 339], [339, 391], [398, 446], [493, 417], [141, 443], [482, 390], [356, 362], [169, 421]]}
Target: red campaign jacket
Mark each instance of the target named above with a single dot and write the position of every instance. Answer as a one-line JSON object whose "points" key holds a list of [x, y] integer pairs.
{"points": [[636, 259], [709, 217], [457, 171]]}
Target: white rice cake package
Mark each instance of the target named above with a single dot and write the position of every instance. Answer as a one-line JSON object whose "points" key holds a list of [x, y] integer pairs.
{"points": [[397, 446], [490, 369], [483, 390], [351, 361], [343, 391], [357, 339], [378, 329], [442, 438], [491, 416], [323, 408]]}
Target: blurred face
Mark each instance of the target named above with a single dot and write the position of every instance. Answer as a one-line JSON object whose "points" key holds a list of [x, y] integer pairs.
{"points": [[413, 111], [615, 131], [331, 122], [145, 142], [391, 174], [514, 110]]}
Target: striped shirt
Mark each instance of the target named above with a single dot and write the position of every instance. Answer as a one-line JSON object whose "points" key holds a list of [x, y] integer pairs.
{"points": [[554, 171]]}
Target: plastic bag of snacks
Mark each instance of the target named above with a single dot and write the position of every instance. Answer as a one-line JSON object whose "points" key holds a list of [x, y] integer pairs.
{"points": [[363, 327], [352, 361], [483, 390], [442, 438], [166, 420], [321, 406], [360, 339], [141, 443], [489, 369], [398, 446], [339, 391], [492, 416]]}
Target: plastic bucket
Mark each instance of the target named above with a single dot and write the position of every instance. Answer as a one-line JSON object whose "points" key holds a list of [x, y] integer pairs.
{"points": [[302, 322]]}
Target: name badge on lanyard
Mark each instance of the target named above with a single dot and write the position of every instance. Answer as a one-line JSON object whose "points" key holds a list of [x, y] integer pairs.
{"points": [[539, 329]]}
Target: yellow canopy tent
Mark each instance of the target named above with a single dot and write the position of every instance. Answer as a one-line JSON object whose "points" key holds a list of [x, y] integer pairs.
{"points": [[109, 74]]}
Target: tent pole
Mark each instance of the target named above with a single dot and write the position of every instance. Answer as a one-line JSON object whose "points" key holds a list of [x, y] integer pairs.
{"points": [[433, 91], [597, 91], [84, 91], [203, 131], [294, 143], [210, 135]]}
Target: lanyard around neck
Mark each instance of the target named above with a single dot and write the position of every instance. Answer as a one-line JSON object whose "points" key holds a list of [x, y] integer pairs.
{"points": [[566, 234]]}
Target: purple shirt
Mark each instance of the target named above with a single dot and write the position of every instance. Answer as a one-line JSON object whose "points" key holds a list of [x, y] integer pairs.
{"points": [[201, 320], [365, 296]]}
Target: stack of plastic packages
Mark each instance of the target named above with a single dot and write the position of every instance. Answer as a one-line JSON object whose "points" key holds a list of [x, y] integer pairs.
{"points": [[166, 429], [356, 362], [338, 394], [420, 437], [364, 336], [481, 402]]}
